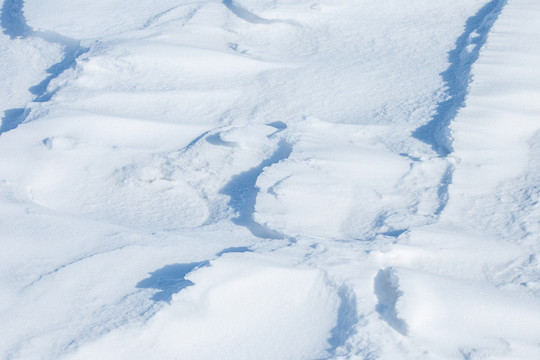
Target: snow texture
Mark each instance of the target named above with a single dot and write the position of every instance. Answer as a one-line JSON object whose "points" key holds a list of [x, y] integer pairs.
{"points": [[242, 179]]}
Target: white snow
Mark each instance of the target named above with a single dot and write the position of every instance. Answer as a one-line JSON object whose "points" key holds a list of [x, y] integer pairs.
{"points": [[247, 179]]}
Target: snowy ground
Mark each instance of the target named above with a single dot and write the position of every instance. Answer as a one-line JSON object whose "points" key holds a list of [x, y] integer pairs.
{"points": [[270, 180]]}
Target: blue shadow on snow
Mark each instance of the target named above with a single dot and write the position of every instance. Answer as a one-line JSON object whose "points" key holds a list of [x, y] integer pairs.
{"points": [[12, 19], [170, 279], [14, 25], [11, 119], [457, 77], [347, 318], [238, 249], [242, 191]]}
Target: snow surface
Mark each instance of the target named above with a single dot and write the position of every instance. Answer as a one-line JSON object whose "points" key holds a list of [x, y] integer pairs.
{"points": [[242, 179]]}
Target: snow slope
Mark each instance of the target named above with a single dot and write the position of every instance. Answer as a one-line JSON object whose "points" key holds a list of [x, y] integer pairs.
{"points": [[271, 180]]}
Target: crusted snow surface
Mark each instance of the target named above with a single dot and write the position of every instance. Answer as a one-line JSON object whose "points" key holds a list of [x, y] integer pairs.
{"points": [[242, 179]]}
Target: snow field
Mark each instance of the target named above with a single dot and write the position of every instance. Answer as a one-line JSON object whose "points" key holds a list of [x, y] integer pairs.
{"points": [[281, 180]]}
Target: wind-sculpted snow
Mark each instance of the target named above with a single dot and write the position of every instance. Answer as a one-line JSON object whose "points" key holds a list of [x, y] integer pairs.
{"points": [[269, 180], [15, 25]]}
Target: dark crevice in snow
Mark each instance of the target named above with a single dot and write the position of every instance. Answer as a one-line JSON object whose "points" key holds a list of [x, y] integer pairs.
{"points": [[442, 191], [457, 77], [250, 17], [170, 279], [12, 19], [387, 291], [216, 139], [245, 14], [12, 118], [347, 318], [72, 50], [194, 141], [279, 126], [14, 25], [237, 249], [242, 191], [394, 233]]}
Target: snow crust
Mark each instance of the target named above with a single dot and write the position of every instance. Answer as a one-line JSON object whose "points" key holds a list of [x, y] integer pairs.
{"points": [[269, 180]]}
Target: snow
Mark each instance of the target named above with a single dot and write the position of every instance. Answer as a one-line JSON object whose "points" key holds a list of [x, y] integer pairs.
{"points": [[270, 180], [232, 320]]}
